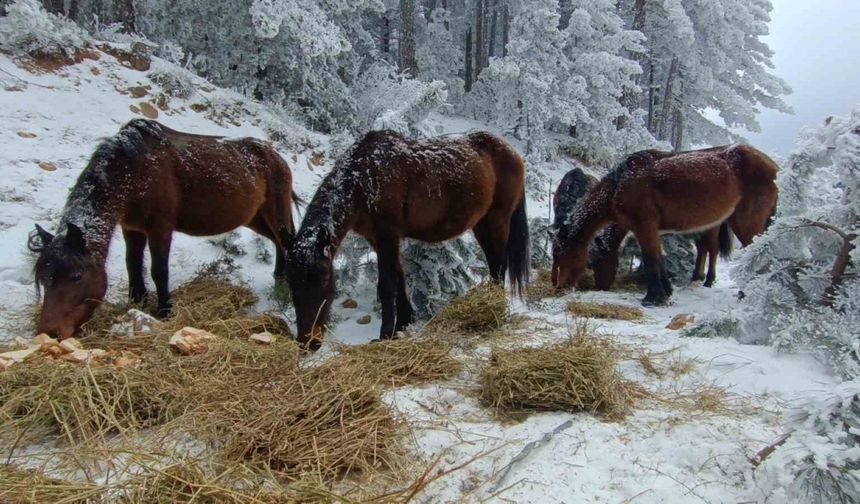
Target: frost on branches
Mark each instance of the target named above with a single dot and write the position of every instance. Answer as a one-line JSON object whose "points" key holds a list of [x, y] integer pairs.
{"points": [[818, 461], [801, 277], [27, 29], [438, 272]]}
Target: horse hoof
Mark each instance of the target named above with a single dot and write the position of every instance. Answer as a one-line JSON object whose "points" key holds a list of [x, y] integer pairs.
{"points": [[709, 284], [164, 312], [139, 299], [655, 302]]}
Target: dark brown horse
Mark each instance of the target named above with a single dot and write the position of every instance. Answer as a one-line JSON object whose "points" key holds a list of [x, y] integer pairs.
{"points": [[603, 251], [388, 188], [152, 181], [652, 192]]}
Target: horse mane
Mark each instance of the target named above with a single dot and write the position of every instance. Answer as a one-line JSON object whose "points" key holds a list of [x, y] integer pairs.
{"points": [[326, 212], [572, 188]]}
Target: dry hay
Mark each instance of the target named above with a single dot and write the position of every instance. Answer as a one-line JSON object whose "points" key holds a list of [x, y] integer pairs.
{"points": [[541, 287], [402, 361], [205, 303], [329, 420], [79, 403], [482, 309], [28, 486], [604, 310], [580, 374]]}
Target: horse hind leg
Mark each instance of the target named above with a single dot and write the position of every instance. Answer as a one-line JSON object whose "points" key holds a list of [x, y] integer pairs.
{"points": [[491, 232], [388, 258], [701, 255], [262, 228], [135, 244], [405, 311]]}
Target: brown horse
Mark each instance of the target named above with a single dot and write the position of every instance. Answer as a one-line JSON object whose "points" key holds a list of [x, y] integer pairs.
{"points": [[603, 251], [388, 188], [152, 181], [652, 192]]}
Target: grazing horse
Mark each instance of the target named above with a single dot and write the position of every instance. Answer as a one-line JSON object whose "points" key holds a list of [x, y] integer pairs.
{"points": [[604, 250], [652, 192], [152, 181], [388, 188]]}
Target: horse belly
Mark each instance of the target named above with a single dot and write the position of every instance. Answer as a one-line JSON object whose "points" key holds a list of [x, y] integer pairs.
{"points": [[435, 216], [223, 203], [698, 207]]}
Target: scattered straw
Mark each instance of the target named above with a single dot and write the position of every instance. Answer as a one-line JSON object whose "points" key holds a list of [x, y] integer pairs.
{"points": [[406, 360], [27, 486], [578, 375], [482, 309], [604, 310], [541, 287]]}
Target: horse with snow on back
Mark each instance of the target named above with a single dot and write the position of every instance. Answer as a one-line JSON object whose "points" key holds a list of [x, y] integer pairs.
{"points": [[151, 181], [388, 188], [604, 250], [654, 192]]}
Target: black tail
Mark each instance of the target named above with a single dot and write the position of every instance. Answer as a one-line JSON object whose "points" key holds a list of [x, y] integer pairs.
{"points": [[726, 241], [518, 251]]}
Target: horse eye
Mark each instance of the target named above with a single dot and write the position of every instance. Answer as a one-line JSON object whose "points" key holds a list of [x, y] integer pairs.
{"points": [[75, 277]]}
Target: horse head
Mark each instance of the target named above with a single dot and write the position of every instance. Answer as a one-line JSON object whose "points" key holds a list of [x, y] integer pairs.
{"points": [[311, 277], [569, 261], [74, 280]]}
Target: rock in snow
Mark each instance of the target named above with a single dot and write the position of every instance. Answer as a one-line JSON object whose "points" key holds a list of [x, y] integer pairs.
{"points": [[191, 341]]}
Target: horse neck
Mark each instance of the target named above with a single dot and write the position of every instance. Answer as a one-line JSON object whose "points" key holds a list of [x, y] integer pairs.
{"points": [[95, 206], [329, 216], [592, 215]]}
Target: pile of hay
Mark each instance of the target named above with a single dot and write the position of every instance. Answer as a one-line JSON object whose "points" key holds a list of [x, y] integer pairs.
{"points": [[578, 375], [604, 310], [40, 398], [402, 361], [482, 309], [328, 420]]}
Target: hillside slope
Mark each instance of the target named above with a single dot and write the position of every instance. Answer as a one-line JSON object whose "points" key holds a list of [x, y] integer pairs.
{"points": [[50, 122]]}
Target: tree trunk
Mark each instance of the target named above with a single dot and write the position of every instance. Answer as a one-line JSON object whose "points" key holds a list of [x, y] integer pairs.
{"points": [[667, 99], [837, 272], [491, 50], [74, 11], [639, 15], [506, 27], [479, 37], [54, 6], [428, 12], [445, 6], [386, 34], [125, 14], [629, 99], [564, 11], [679, 129], [651, 97], [468, 61], [408, 64]]}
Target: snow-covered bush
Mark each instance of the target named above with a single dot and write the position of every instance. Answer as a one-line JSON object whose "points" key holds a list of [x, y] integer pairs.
{"points": [[387, 99], [801, 277], [27, 29], [437, 273], [819, 461]]}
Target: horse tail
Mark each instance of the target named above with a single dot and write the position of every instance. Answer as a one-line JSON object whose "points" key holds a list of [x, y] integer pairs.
{"points": [[518, 247], [725, 241], [298, 203]]}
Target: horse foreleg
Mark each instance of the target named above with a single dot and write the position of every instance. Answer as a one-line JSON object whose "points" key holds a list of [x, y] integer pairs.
{"points": [[388, 257], [159, 251], [260, 226], [649, 242], [135, 243]]}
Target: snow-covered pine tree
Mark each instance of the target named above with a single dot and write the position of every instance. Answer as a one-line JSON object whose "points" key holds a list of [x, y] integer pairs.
{"points": [[801, 277], [439, 272]]}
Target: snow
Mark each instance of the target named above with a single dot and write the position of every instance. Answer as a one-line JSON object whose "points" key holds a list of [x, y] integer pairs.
{"points": [[658, 454]]}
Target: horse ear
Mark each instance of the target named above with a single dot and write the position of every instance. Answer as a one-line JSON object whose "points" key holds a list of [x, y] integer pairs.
{"points": [[329, 252], [75, 238], [39, 239]]}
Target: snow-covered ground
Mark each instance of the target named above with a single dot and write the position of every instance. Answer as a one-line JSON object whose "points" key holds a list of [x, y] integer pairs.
{"points": [[660, 453]]}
